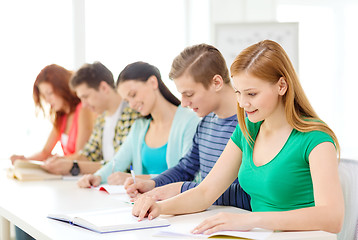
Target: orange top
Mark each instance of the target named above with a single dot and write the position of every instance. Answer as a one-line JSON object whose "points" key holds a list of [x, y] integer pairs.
{"points": [[68, 141]]}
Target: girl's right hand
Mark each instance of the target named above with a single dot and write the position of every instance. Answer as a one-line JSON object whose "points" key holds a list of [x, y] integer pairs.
{"points": [[146, 207], [89, 180], [134, 190], [117, 178]]}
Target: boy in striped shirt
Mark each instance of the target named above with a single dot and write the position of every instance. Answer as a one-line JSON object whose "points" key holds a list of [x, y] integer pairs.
{"points": [[202, 78]]}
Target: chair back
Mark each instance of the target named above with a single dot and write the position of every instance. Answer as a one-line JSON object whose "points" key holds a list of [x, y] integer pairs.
{"points": [[348, 174]]}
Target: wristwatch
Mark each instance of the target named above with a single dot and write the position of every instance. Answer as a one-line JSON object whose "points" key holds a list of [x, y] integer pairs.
{"points": [[75, 170]]}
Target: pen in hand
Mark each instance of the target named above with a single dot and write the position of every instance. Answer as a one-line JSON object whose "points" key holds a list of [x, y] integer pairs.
{"points": [[133, 175]]}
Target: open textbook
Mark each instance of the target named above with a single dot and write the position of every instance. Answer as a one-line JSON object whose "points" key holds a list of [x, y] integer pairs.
{"points": [[256, 233], [30, 170], [111, 189], [113, 220], [116, 191]]}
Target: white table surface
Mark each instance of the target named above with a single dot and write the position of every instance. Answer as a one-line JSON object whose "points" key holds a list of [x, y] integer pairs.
{"points": [[26, 204]]}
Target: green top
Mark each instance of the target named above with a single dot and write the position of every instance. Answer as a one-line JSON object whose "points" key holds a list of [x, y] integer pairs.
{"points": [[285, 182]]}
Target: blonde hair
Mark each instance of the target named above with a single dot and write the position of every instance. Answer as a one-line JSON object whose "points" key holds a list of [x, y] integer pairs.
{"points": [[268, 60]]}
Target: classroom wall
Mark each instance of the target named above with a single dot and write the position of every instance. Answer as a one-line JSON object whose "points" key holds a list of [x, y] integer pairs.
{"points": [[226, 11], [326, 53], [233, 11], [71, 32]]}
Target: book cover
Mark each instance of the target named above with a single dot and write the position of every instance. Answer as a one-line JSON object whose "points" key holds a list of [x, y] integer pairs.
{"points": [[105, 221], [26, 170]]}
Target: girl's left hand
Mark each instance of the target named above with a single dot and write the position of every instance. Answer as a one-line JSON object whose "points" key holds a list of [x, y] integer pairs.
{"points": [[223, 222], [118, 178], [58, 165]]}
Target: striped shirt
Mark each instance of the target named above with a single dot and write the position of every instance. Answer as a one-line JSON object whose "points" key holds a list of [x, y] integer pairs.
{"points": [[210, 139]]}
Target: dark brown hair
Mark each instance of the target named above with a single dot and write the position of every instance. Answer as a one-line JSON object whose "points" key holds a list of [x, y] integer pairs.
{"points": [[141, 71], [92, 75]]}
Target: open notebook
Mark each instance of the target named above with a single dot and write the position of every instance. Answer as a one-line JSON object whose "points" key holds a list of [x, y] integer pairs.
{"points": [[30, 170], [113, 220], [116, 191], [111, 189]]}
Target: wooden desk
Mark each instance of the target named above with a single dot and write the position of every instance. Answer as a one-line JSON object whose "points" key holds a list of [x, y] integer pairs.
{"points": [[26, 204]]}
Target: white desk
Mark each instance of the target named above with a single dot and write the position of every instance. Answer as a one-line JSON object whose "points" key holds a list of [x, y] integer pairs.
{"points": [[26, 204]]}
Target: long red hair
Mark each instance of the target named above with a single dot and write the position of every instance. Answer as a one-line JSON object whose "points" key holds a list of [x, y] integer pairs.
{"points": [[59, 78]]}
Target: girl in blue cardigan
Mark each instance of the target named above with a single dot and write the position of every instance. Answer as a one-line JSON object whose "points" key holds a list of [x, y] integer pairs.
{"points": [[155, 142]]}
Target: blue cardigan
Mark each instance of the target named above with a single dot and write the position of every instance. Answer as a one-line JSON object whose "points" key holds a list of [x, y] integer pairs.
{"points": [[180, 140]]}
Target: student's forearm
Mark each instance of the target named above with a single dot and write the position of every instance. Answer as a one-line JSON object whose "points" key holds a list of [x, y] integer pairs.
{"points": [[77, 157], [87, 167], [191, 201], [41, 156], [146, 177], [326, 218], [210, 189]]}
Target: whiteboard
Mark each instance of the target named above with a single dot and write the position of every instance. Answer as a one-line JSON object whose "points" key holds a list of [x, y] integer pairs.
{"points": [[232, 38]]}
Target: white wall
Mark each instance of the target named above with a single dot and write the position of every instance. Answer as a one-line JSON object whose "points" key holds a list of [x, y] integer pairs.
{"points": [[327, 53], [40, 32]]}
